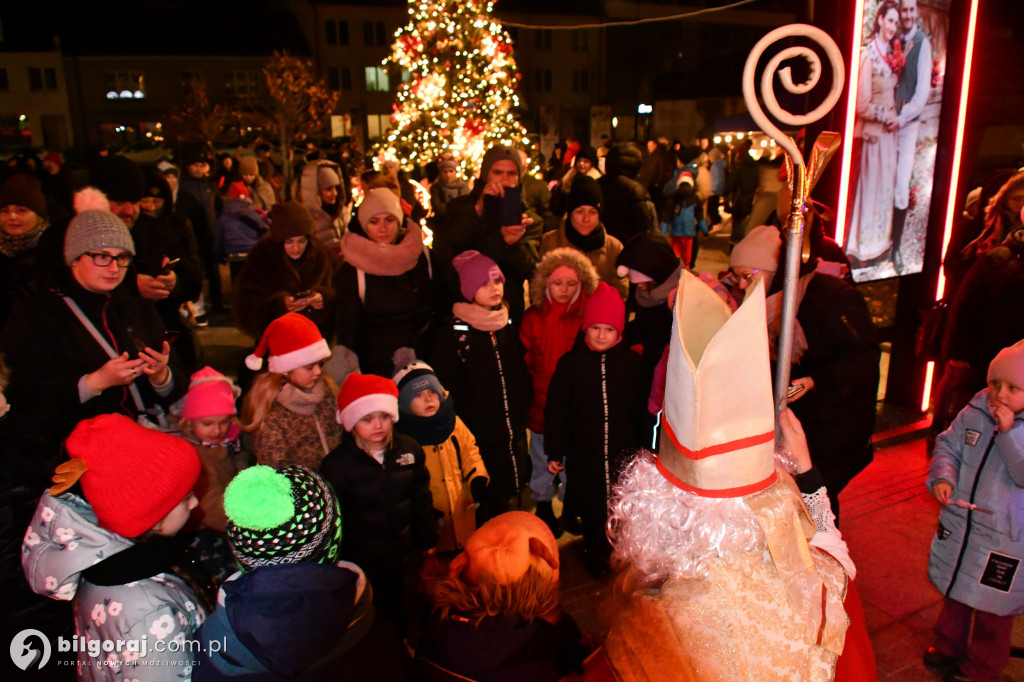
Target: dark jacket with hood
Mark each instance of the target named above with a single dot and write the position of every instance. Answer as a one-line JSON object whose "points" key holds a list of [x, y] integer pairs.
{"points": [[628, 209], [486, 374], [594, 414], [321, 625], [386, 510], [269, 276]]}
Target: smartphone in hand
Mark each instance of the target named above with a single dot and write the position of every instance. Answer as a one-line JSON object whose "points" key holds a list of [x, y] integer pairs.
{"points": [[169, 266], [505, 210], [305, 294]]}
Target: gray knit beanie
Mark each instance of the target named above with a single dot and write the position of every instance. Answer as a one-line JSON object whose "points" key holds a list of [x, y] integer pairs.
{"points": [[500, 152], [90, 230]]}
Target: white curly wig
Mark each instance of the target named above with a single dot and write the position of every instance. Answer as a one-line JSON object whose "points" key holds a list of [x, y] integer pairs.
{"points": [[662, 532]]}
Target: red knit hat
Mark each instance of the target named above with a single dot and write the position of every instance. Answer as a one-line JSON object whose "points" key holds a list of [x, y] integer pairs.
{"points": [[238, 190], [211, 394], [293, 341], [363, 394], [605, 306], [118, 454]]}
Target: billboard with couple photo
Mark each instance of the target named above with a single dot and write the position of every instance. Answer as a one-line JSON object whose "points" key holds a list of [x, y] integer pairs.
{"points": [[899, 79]]}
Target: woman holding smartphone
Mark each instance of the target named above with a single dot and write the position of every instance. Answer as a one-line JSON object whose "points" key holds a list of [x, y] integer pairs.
{"points": [[286, 272]]}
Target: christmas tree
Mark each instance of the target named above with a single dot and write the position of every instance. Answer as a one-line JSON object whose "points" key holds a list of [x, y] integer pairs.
{"points": [[461, 94]]}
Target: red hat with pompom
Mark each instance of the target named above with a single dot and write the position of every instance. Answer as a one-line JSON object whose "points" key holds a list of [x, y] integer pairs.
{"points": [[292, 341]]}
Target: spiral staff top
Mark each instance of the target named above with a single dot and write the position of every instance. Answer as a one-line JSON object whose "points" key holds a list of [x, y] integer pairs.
{"points": [[801, 185]]}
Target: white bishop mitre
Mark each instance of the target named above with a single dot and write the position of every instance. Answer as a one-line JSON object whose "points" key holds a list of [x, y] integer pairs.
{"points": [[718, 424]]}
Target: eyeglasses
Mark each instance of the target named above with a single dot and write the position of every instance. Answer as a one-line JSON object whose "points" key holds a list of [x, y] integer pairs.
{"points": [[748, 278], [102, 260]]}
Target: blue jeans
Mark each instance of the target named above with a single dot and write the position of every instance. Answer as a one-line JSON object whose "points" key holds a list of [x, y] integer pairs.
{"points": [[541, 480]]}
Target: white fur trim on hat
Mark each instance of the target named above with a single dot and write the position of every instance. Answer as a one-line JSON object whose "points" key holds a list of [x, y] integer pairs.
{"points": [[368, 404], [297, 358]]}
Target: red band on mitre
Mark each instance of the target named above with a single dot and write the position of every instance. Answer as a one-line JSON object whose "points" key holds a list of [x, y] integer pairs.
{"points": [[720, 448], [741, 491]]}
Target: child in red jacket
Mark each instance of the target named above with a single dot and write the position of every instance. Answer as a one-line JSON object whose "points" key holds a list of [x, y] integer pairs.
{"points": [[562, 283]]}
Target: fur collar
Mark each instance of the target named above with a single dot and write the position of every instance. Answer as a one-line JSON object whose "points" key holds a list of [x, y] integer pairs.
{"points": [[384, 260], [480, 318]]}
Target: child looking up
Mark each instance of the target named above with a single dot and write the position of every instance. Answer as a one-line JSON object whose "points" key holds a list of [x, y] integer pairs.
{"points": [[290, 410], [563, 282], [458, 478], [384, 488], [104, 536], [595, 405], [208, 421], [478, 356], [977, 475]]}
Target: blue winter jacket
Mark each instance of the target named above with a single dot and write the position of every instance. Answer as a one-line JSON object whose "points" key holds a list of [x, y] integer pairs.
{"points": [[239, 228], [975, 556], [685, 220]]}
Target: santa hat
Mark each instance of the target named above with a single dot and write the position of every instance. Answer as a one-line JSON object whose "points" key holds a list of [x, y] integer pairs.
{"points": [[238, 190], [131, 476], [413, 376], [293, 341], [605, 306], [285, 516], [1008, 365], [211, 394], [364, 394], [712, 444]]}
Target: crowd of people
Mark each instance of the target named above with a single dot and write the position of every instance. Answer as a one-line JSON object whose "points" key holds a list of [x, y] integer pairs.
{"points": [[401, 407]]}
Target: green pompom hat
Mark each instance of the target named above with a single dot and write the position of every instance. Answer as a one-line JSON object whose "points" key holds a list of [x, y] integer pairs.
{"points": [[282, 516]]}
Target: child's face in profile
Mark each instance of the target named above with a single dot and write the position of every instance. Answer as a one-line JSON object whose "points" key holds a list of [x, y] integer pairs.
{"points": [[1006, 393], [213, 429], [601, 337], [425, 404], [374, 428], [490, 294], [177, 517], [305, 377]]}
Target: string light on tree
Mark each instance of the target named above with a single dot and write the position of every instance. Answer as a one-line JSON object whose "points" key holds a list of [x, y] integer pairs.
{"points": [[461, 95]]}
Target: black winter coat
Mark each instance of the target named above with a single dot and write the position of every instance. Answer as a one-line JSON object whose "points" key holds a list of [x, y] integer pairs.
{"points": [[394, 312], [593, 417], [462, 230], [48, 351], [842, 357], [387, 512], [988, 309], [487, 375], [269, 276]]}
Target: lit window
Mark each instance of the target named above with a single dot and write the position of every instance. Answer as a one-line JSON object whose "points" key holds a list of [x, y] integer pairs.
{"points": [[377, 125], [377, 79]]}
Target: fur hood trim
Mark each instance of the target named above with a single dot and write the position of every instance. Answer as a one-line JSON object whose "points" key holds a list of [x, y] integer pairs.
{"points": [[556, 258]]}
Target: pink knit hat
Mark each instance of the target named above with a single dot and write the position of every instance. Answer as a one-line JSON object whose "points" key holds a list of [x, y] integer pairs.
{"points": [[293, 341], [475, 270], [364, 394], [1008, 365], [605, 306], [211, 394]]}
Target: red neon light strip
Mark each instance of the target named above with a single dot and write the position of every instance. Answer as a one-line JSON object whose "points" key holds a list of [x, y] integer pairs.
{"points": [[954, 179], [851, 114]]}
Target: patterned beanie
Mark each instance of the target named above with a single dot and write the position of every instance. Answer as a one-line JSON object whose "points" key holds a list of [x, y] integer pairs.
{"points": [[412, 376], [91, 230], [282, 516], [131, 476]]}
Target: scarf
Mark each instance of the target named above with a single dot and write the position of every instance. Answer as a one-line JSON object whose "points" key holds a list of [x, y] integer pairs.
{"points": [[430, 430], [773, 311], [480, 318], [12, 244], [585, 243], [383, 260], [151, 557], [296, 400], [650, 298]]}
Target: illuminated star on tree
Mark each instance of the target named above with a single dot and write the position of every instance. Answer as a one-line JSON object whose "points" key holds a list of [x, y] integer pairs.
{"points": [[461, 93]]}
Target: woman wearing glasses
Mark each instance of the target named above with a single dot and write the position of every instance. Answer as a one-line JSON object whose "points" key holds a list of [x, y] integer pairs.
{"points": [[89, 346]]}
